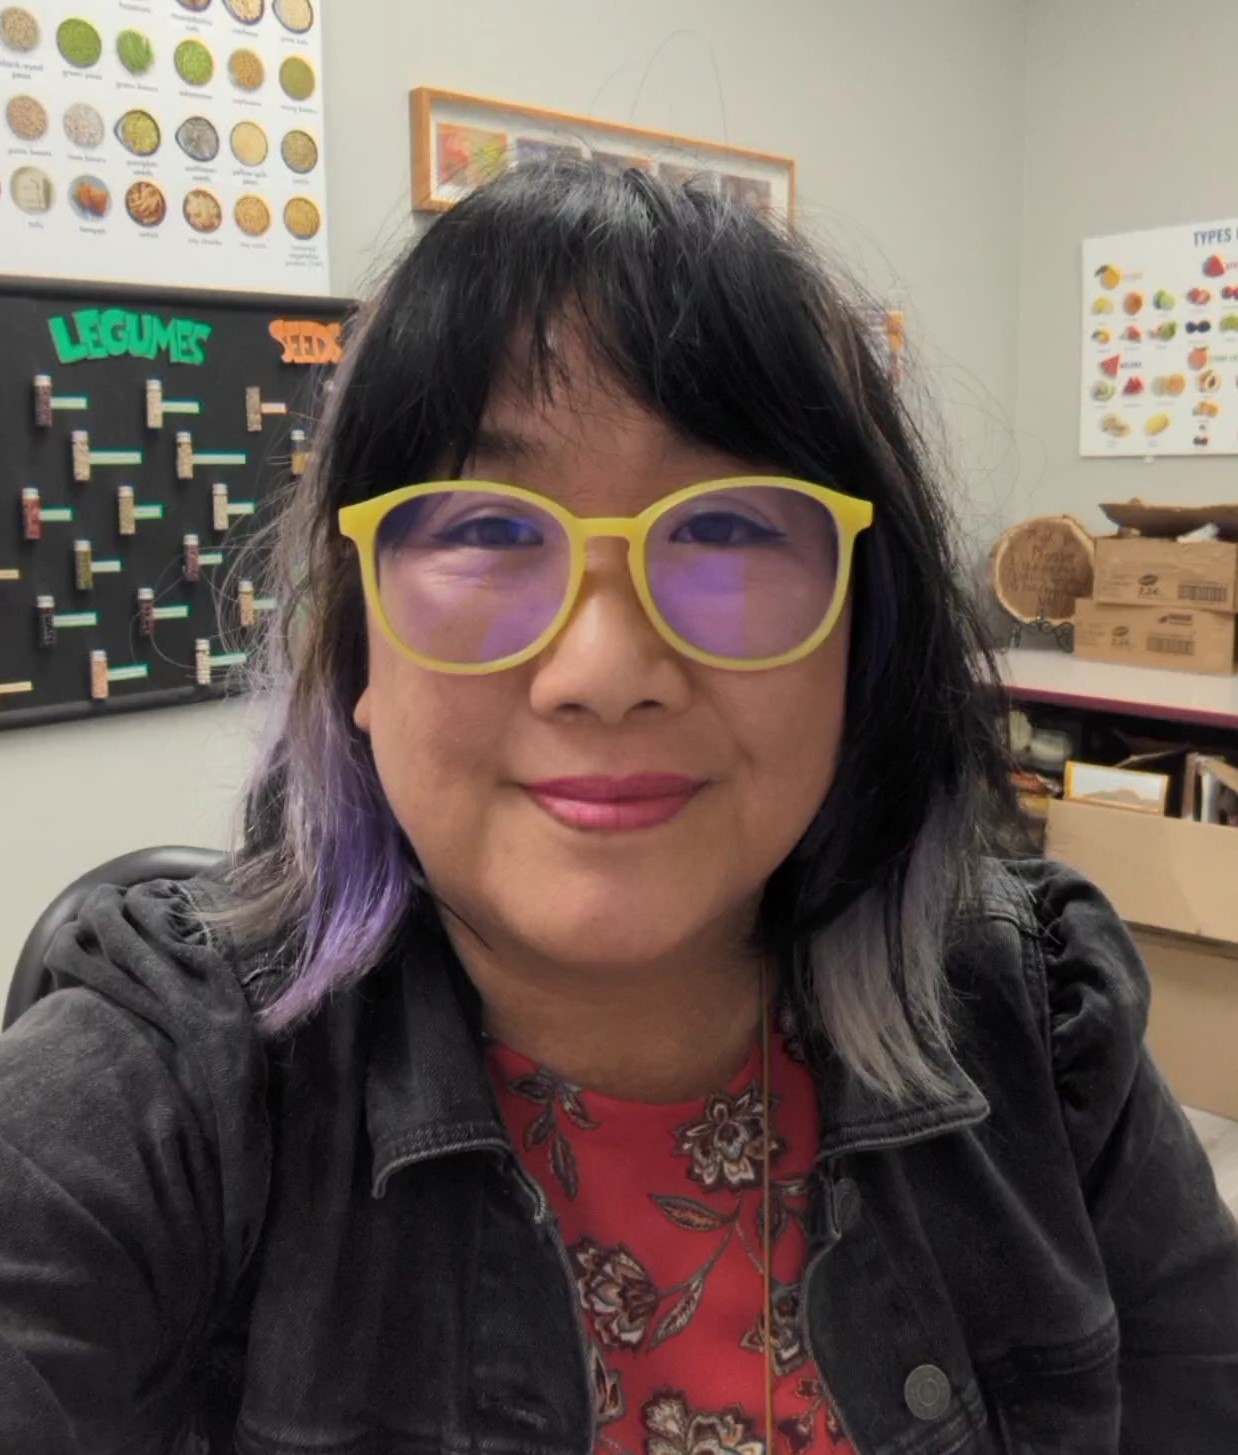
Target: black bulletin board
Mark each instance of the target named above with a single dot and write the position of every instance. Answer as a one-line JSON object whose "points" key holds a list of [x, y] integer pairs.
{"points": [[162, 631]]}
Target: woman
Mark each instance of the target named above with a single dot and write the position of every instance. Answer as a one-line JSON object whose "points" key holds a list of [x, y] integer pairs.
{"points": [[617, 1031]]}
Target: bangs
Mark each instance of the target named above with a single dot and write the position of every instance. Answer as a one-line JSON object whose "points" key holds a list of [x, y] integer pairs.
{"points": [[698, 308]]}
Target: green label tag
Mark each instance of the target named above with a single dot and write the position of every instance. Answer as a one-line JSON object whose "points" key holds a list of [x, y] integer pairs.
{"points": [[113, 333]]}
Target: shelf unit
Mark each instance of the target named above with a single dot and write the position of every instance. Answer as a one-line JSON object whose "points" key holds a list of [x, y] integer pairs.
{"points": [[1170, 879], [1056, 677]]}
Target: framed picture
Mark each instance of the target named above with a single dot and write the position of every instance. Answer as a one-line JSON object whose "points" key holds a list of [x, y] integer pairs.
{"points": [[460, 142], [1125, 788]]}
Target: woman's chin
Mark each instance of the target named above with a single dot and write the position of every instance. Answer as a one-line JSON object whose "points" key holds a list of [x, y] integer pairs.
{"points": [[604, 944], [611, 926]]}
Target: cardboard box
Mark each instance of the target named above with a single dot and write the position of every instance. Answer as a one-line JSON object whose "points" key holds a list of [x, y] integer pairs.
{"points": [[1193, 1026], [1165, 874], [1151, 636], [1173, 882], [1138, 570]]}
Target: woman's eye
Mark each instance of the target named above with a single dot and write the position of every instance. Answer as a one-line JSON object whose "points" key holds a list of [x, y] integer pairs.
{"points": [[491, 532], [724, 528]]}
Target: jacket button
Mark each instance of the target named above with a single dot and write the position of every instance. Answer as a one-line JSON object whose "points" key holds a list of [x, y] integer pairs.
{"points": [[927, 1392], [846, 1204]]}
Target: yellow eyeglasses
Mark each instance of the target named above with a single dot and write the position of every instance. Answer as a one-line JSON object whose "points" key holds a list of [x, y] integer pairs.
{"points": [[471, 577]]}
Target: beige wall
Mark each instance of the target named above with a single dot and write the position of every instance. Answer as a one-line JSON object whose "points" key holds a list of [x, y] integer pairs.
{"points": [[77, 794], [1121, 135], [906, 116]]}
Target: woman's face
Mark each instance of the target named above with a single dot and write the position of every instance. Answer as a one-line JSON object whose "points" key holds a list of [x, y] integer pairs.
{"points": [[535, 874]]}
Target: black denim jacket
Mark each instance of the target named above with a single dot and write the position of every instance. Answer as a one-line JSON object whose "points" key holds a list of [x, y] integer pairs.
{"points": [[325, 1243]]}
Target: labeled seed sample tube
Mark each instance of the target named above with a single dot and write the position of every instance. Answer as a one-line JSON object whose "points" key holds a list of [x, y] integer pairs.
{"points": [[245, 598], [42, 401], [184, 455], [253, 409], [192, 565], [146, 611], [45, 606], [31, 514], [80, 443], [126, 521], [98, 676], [202, 662], [154, 404], [300, 454], [219, 506], [83, 566]]}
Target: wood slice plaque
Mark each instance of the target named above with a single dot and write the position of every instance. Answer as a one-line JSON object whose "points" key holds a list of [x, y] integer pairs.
{"points": [[1040, 567]]}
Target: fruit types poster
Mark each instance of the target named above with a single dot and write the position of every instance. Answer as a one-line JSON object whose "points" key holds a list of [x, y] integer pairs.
{"points": [[164, 141], [1160, 342]]}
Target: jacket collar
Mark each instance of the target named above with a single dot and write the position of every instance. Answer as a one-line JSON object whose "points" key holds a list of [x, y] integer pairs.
{"points": [[428, 1094], [856, 1117]]}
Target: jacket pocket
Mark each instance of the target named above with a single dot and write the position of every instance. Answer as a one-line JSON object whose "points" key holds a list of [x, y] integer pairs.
{"points": [[1062, 1397]]}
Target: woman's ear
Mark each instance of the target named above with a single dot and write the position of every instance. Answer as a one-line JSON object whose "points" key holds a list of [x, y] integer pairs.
{"points": [[361, 713]]}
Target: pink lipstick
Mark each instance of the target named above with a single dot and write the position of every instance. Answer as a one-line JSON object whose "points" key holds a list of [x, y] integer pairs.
{"points": [[615, 805]]}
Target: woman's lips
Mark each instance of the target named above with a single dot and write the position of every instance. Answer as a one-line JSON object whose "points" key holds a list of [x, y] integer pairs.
{"points": [[640, 801]]}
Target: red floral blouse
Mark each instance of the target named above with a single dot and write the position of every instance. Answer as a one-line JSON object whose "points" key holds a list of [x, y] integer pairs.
{"points": [[659, 1207]]}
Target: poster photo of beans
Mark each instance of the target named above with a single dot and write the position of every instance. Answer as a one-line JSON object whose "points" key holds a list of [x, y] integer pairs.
{"points": [[173, 142]]}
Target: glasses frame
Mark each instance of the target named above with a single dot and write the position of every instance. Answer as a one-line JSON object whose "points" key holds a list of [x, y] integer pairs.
{"points": [[360, 524]]}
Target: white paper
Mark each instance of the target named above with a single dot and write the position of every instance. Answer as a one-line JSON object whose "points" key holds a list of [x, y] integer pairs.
{"points": [[67, 240], [1160, 342]]}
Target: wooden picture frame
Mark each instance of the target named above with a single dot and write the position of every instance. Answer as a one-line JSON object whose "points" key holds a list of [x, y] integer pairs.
{"points": [[1129, 790], [460, 141]]}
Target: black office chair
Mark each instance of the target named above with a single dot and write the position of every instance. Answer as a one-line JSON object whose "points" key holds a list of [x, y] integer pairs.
{"points": [[32, 979]]}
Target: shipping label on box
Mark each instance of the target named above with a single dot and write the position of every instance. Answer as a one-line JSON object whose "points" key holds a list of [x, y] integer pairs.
{"points": [[1139, 569], [1150, 636]]}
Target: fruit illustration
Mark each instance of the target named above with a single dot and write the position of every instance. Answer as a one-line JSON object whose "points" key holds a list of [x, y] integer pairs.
{"points": [[1229, 324], [1115, 425], [1134, 385], [1229, 292], [1201, 439], [1207, 409], [1132, 333], [1101, 336], [1209, 381], [1163, 332], [1132, 303], [1197, 358], [1103, 305], [1103, 390], [1175, 385], [1164, 300], [1111, 366], [1157, 424], [1200, 296], [1108, 276], [1214, 267]]}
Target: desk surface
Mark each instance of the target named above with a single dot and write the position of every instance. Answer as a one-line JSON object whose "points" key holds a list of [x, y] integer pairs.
{"points": [[1057, 677]]}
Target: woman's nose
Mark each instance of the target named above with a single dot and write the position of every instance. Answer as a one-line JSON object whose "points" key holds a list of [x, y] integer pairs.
{"points": [[609, 658]]}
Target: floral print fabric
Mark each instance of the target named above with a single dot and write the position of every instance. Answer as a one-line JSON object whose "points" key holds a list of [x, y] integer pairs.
{"points": [[659, 1207]]}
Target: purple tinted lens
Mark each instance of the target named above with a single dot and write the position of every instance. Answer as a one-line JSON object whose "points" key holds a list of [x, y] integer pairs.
{"points": [[746, 572], [471, 576]]}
